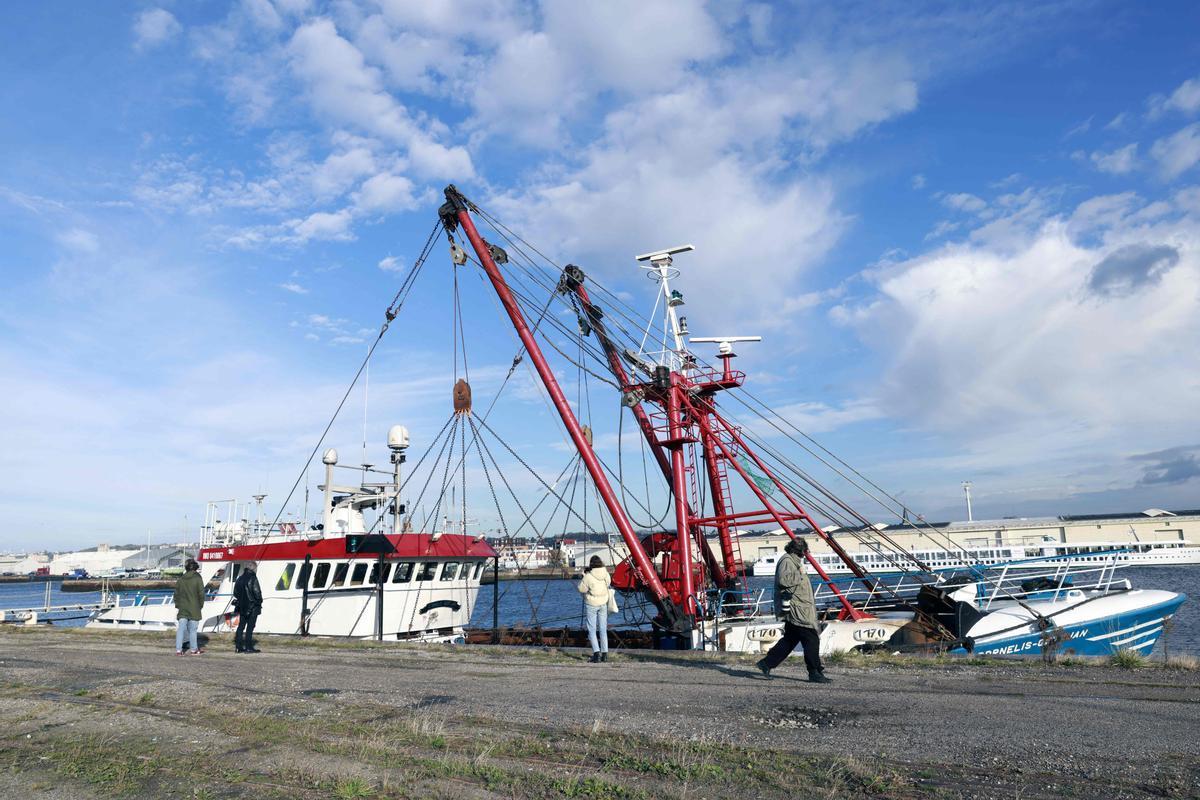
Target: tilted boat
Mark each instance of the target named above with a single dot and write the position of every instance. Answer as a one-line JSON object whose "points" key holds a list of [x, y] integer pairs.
{"points": [[697, 591]]}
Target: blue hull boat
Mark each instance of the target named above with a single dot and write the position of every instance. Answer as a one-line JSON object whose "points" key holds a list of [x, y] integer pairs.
{"points": [[1077, 622]]}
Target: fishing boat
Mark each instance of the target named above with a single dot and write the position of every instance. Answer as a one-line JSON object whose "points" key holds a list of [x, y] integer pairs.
{"points": [[721, 474], [342, 577]]}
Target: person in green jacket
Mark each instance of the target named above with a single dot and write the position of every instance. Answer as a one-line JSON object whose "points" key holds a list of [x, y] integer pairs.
{"points": [[794, 604], [189, 599]]}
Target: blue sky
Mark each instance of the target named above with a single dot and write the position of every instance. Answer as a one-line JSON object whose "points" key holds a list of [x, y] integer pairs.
{"points": [[968, 233]]}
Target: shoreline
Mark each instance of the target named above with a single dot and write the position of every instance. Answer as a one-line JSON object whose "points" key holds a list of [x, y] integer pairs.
{"points": [[105, 713]]}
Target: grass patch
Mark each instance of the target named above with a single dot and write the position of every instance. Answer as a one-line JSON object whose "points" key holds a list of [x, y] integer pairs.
{"points": [[837, 657], [353, 789], [107, 764], [1128, 659], [1183, 663]]}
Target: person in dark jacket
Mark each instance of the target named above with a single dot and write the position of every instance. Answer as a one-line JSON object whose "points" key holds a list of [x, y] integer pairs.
{"points": [[794, 604], [189, 599], [247, 602]]}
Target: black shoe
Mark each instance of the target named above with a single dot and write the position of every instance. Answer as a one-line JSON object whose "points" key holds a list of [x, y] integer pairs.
{"points": [[604, 658], [251, 650], [818, 677], [762, 667], [595, 659]]}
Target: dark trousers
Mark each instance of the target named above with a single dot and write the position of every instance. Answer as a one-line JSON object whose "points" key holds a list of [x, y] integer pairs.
{"points": [[244, 638], [793, 635]]}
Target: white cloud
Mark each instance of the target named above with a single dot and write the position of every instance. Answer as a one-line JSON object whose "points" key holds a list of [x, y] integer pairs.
{"points": [[943, 228], [633, 46], [79, 240], [391, 264], [718, 151], [344, 89], [1119, 162], [1179, 152], [154, 27], [816, 417], [1079, 129], [294, 288], [1035, 340], [1118, 122], [323, 225], [387, 193], [963, 201], [1185, 100], [263, 14], [340, 171], [918, 181]]}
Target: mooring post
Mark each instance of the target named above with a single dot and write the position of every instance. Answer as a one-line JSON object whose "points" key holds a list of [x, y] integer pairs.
{"points": [[305, 573], [496, 599], [379, 599]]}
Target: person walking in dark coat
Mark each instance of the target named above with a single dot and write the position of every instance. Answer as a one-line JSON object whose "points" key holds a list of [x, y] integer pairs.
{"points": [[247, 602], [794, 604], [189, 599]]}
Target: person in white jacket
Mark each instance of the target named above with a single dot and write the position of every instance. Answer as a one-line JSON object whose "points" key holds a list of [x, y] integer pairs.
{"points": [[596, 588]]}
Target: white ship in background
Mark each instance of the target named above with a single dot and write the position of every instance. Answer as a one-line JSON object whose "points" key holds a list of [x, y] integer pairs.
{"points": [[1133, 554], [1151, 538]]}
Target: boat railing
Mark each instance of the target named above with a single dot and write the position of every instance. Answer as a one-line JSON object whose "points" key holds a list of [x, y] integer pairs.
{"points": [[882, 589], [1052, 575], [1066, 573], [738, 603]]}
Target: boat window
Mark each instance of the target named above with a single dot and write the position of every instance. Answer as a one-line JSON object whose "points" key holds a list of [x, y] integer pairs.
{"points": [[320, 576], [339, 574], [478, 570], [404, 572], [285, 578], [428, 570], [387, 568], [360, 572], [450, 571], [233, 574]]}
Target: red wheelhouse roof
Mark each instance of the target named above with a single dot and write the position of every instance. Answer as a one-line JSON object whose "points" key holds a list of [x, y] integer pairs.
{"points": [[408, 545]]}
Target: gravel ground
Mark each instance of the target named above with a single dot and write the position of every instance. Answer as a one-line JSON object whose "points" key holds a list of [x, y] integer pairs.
{"points": [[1027, 730]]}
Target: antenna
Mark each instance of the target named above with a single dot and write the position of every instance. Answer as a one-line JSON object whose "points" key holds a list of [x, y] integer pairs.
{"points": [[725, 350], [659, 255], [967, 491], [724, 343]]}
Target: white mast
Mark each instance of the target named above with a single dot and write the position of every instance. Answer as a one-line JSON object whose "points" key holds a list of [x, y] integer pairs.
{"points": [[397, 442], [674, 326], [329, 459], [967, 491]]}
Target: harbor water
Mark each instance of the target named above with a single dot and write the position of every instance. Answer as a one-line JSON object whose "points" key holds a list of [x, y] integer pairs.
{"points": [[556, 603]]}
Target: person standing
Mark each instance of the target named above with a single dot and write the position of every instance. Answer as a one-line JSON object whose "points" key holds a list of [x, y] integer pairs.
{"points": [[247, 602], [794, 604], [189, 599], [596, 588]]}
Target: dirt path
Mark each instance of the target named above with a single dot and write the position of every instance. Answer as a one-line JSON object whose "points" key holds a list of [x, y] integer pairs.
{"points": [[106, 714]]}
